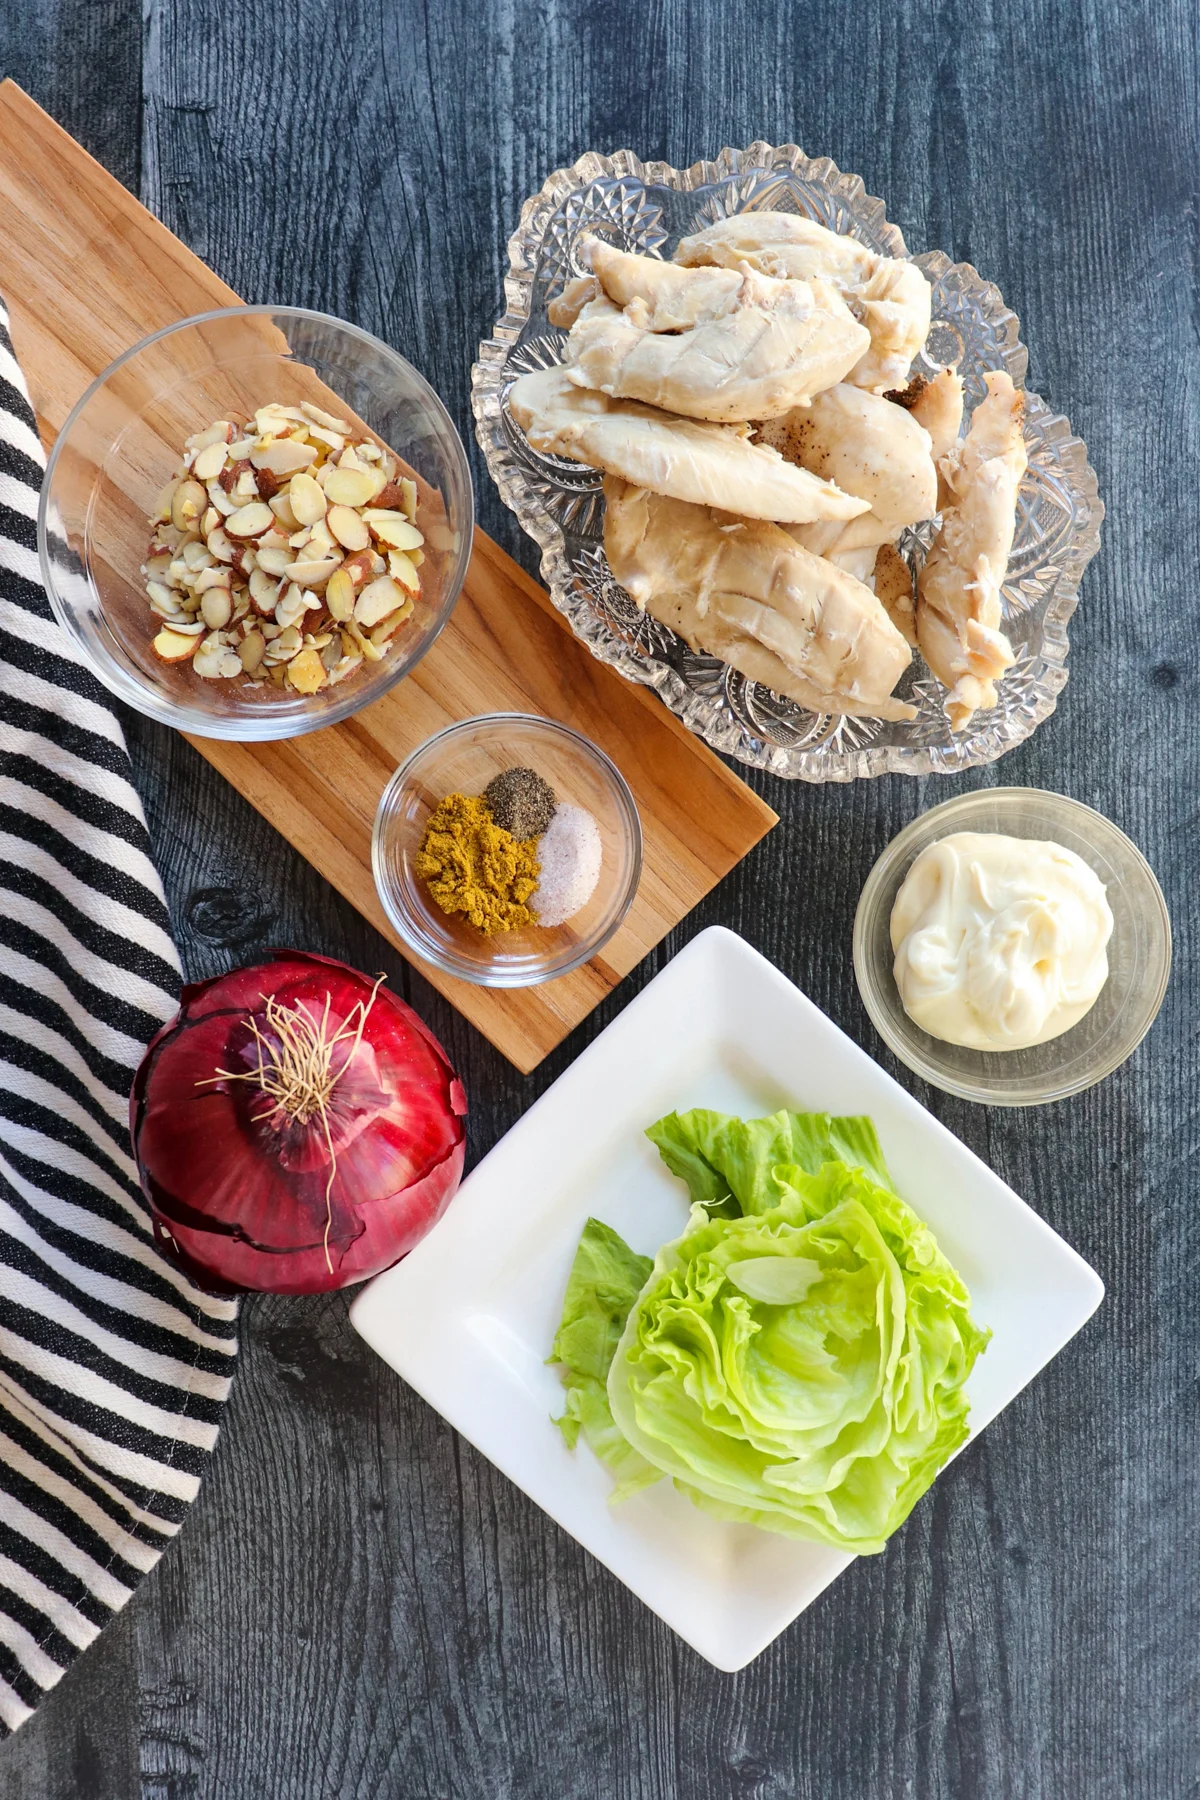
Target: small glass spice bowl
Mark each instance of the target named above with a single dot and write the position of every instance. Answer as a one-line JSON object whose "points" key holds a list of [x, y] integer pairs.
{"points": [[120, 444], [463, 759], [1139, 953]]}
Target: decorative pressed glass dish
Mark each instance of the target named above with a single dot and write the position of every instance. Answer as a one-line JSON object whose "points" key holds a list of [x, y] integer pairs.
{"points": [[463, 759], [648, 207], [121, 444], [1139, 952]]}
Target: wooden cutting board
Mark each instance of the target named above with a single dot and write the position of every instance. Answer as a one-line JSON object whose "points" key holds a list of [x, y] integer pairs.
{"points": [[86, 272]]}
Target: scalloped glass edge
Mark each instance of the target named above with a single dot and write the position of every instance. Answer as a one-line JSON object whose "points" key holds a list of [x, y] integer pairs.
{"points": [[709, 718]]}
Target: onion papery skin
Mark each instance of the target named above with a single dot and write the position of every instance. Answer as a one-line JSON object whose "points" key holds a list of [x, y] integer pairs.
{"points": [[243, 1202]]}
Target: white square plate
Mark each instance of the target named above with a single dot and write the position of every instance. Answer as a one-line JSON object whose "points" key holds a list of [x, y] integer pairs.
{"points": [[468, 1318]]}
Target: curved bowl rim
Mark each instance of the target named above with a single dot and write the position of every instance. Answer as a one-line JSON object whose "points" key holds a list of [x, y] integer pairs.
{"points": [[473, 973], [867, 978], [266, 728]]}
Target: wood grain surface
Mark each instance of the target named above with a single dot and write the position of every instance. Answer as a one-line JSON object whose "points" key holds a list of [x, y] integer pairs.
{"points": [[359, 1607], [88, 273]]}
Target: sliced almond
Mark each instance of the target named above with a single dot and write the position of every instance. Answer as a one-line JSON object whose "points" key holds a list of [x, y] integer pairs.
{"points": [[163, 596], [409, 490], [346, 665], [377, 600], [196, 555], [250, 521], [281, 506], [283, 456], [187, 504], [391, 497], [349, 487], [157, 565], [220, 545], [240, 451], [309, 573], [306, 672], [264, 592], [307, 499], [383, 631], [219, 432], [403, 571], [210, 460], [250, 650], [245, 488], [362, 565], [216, 608], [174, 646], [349, 527], [213, 578], [218, 496], [211, 519], [397, 533], [339, 594], [322, 418], [274, 561], [290, 608]]}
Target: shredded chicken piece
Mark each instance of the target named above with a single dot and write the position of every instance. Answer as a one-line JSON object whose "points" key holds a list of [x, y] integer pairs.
{"points": [[959, 608], [714, 344], [692, 460], [868, 446], [890, 295], [780, 244], [744, 590], [939, 408], [895, 306], [893, 584]]}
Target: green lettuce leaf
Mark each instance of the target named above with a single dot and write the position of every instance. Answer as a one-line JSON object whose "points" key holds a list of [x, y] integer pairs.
{"points": [[818, 1400], [727, 1160], [605, 1280]]}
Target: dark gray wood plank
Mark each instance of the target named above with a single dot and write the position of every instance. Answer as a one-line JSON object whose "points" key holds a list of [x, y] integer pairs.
{"points": [[359, 1605]]}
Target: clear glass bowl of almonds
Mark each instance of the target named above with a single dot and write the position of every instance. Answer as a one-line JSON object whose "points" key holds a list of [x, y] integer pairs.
{"points": [[255, 522]]}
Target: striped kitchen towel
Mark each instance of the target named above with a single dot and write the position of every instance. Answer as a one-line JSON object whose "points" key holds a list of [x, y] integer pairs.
{"points": [[113, 1367]]}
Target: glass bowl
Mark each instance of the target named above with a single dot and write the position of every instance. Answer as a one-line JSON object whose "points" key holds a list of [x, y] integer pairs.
{"points": [[463, 759], [1139, 953], [647, 207], [120, 445]]}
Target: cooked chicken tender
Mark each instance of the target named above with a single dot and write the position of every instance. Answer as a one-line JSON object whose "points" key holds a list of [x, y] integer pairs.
{"points": [[959, 610], [745, 591], [938, 407], [868, 446], [891, 296], [780, 244], [896, 310], [703, 463], [710, 343]]}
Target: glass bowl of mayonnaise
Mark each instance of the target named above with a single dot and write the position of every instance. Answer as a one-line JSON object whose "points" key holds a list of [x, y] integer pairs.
{"points": [[1012, 946]]}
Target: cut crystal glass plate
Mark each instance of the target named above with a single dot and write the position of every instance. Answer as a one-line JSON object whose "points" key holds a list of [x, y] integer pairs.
{"points": [[648, 207]]}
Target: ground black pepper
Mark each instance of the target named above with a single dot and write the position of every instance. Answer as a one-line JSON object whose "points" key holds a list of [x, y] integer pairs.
{"points": [[521, 802]]}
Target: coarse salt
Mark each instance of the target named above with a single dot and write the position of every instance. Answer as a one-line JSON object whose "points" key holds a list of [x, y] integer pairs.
{"points": [[570, 854]]}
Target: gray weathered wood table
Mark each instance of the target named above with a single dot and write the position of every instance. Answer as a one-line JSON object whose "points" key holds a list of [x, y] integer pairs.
{"points": [[359, 1605]]}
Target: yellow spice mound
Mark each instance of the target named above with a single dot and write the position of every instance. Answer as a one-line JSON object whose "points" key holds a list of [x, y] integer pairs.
{"points": [[475, 868]]}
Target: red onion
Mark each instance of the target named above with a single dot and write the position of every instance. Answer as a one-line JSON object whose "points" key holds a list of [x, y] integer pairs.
{"points": [[296, 1128]]}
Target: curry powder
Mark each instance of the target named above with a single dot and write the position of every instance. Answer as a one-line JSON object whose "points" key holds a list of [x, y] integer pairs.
{"points": [[475, 868]]}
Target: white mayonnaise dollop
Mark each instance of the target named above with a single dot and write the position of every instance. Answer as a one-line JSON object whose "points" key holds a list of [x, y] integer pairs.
{"points": [[1000, 942]]}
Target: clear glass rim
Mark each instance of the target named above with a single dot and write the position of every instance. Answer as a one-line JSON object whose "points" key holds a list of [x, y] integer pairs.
{"points": [[447, 962], [867, 976], [266, 727]]}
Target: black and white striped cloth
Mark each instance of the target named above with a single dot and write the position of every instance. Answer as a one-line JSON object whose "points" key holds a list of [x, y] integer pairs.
{"points": [[113, 1367]]}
